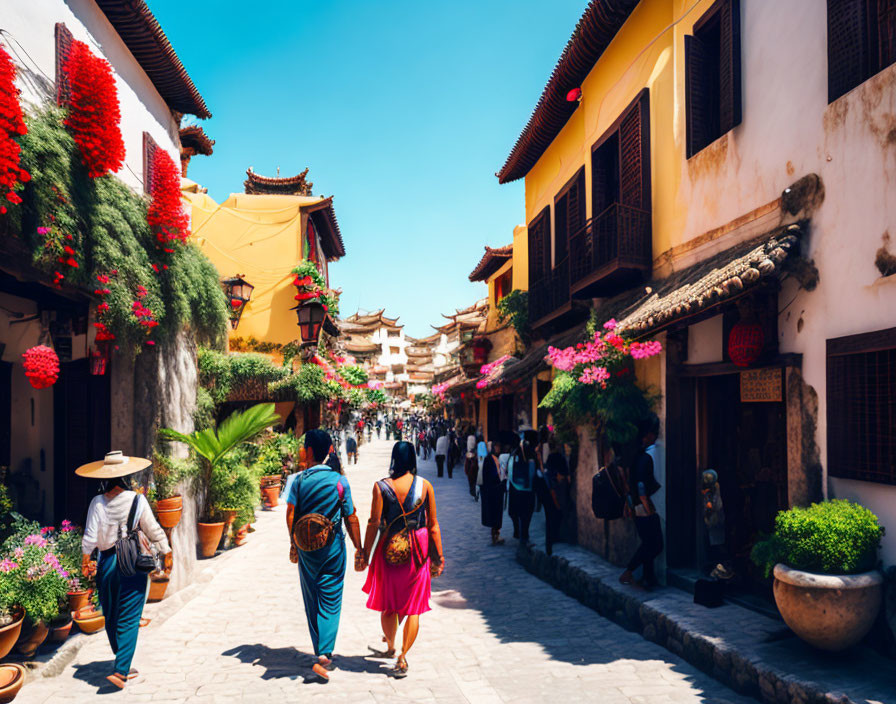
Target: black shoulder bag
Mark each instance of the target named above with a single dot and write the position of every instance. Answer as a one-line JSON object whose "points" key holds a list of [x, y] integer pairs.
{"points": [[128, 549]]}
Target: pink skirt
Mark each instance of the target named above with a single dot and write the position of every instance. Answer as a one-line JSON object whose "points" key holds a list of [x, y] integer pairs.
{"points": [[399, 589]]}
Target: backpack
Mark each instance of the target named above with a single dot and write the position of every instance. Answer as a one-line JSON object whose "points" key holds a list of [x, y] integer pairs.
{"points": [[521, 473], [608, 493], [132, 549], [313, 531]]}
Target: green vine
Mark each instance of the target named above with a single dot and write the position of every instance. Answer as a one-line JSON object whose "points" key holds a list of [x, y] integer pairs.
{"points": [[514, 308]]}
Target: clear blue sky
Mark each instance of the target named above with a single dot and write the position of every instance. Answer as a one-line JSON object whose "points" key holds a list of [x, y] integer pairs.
{"points": [[402, 109]]}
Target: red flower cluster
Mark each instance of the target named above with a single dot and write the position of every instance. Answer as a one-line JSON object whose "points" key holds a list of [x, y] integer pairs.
{"points": [[103, 333], [41, 366], [166, 216], [307, 289], [144, 316], [12, 125], [94, 115]]}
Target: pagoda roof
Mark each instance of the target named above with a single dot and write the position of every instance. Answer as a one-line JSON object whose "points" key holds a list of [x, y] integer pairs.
{"points": [[193, 137], [597, 27], [360, 346], [492, 260], [374, 320], [143, 36], [256, 184]]}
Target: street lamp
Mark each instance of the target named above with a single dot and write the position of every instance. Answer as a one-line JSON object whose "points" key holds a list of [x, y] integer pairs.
{"points": [[239, 291], [311, 316]]}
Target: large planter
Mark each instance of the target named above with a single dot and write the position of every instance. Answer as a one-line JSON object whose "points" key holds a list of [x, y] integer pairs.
{"points": [[271, 496], [169, 511], [209, 537], [78, 600], [9, 633], [829, 612], [12, 677], [157, 588], [31, 638], [60, 630], [89, 620]]}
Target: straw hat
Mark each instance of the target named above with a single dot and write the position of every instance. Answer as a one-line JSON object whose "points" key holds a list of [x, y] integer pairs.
{"points": [[114, 464]]}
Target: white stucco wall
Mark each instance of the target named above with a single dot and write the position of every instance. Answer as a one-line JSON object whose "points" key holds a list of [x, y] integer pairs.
{"points": [[789, 130], [32, 24]]}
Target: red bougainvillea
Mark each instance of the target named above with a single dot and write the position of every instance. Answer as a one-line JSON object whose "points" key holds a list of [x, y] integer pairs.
{"points": [[169, 221], [41, 366], [94, 115], [12, 125]]}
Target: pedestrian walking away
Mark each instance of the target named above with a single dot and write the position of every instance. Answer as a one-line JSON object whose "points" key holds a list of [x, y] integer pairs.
{"points": [[319, 501], [492, 490], [408, 552], [441, 452], [521, 479], [471, 464], [112, 516], [351, 450], [643, 485]]}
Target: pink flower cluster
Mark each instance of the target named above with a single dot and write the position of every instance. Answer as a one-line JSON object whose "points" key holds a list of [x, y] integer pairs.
{"points": [[36, 539], [374, 384], [53, 561], [490, 371], [587, 352], [67, 526], [440, 389], [643, 350], [7, 565], [595, 375]]}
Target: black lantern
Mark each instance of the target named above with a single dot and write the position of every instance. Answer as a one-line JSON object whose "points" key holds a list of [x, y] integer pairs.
{"points": [[311, 318], [238, 292]]}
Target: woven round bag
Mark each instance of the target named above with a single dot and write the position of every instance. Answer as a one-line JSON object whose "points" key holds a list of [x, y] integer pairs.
{"points": [[398, 549], [312, 531]]}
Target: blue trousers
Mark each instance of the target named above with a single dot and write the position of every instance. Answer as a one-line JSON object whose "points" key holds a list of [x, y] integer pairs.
{"points": [[122, 600], [322, 574]]}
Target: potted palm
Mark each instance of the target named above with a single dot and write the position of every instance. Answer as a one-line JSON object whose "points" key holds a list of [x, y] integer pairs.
{"points": [[167, 474], [823, 559], [211, 446]]}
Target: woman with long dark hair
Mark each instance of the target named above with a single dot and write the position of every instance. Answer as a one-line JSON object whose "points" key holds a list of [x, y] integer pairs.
{"points": [[492, 492], [407, 555], [114, 511], [521, 485]]}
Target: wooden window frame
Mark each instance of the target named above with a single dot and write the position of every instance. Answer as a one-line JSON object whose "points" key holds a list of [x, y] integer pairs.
{"points": [[859, 44], [543, 219], [730, 107], [150, 149], [570, 226], [64, 40], [853, 436]]}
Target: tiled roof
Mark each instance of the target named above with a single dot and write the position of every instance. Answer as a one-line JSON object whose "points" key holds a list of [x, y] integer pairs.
{"points": [[491, 261], [594, 32], [274, 185], [140, 31], [195, 138]]}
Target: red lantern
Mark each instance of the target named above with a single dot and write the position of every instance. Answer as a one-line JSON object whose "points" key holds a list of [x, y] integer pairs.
{"points": [[745, 343], [41, 366], [574, 96]]}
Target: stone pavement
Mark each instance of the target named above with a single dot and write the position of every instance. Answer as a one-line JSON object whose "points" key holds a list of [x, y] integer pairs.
{"points": [[495, 634]]}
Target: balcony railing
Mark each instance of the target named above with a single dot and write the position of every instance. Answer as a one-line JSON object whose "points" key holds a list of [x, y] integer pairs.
{"points": [[549, 293], [611, 249]]}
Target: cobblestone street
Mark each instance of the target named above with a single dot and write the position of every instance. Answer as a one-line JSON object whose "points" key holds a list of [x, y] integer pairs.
{"points": [[495, 634]]}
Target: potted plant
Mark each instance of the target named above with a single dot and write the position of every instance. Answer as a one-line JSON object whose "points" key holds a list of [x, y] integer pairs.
{"points": [[60, 628], [10, 627], [167, 474], [158, 585], [823, 558], [12, 677], [235, 487], [211, 446], [67, 540]]}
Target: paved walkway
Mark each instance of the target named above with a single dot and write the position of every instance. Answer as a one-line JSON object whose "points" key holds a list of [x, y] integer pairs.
{"points": [[496, 633]]}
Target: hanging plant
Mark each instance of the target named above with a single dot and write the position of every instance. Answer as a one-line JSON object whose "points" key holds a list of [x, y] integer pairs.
{"points": [[94, 115], [41, 366], [311, 285], [12, 125], [169, 222]]}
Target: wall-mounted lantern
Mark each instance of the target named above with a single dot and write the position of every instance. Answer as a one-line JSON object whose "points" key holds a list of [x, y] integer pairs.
{"points": [[311, 316], [238, 292]]}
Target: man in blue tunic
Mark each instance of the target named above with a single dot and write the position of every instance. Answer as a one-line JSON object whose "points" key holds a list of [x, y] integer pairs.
{"points": [[321, 490]]}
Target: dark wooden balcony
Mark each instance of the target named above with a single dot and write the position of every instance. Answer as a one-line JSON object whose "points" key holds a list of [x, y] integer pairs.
{"points": [[611, 252], [549, 297]]}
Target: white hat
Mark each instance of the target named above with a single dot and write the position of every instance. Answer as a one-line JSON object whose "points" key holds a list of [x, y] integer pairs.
{"points": [[114, 464]]}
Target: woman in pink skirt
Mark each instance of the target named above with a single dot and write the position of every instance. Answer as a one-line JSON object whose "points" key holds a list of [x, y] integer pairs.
{"points": [[403, 514]]}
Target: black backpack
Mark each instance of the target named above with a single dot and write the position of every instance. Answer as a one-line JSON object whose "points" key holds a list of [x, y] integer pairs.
{"points": [[608, 493]]}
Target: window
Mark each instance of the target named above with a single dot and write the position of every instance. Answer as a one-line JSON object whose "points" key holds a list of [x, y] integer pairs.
{"points": [[540, 245], [569, 214], [861, 42], [620, 161], [64, 41], [861, 406], [712, 75], [150, 147], [503, 285]]}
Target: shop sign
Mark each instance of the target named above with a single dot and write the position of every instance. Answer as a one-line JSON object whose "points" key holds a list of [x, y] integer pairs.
{"points": [[761, 385]]}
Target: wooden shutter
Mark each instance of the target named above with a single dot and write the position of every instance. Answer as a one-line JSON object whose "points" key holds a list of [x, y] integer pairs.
{"points": [[847, 46], [64, 41], [538, 243], [698, 94], [634, 151], [150, 147], [575, 205], [730, 95], [886, 33]]}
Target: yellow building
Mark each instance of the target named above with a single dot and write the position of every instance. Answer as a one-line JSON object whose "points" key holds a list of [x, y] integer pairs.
{"points": [[262, 235]]}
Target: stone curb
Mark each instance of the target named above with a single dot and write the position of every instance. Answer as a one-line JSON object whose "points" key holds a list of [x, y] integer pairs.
{"points": [[159, 613], [640, 612]]}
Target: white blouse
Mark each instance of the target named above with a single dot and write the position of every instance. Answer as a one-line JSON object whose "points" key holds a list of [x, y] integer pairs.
{"points": [[106, 520]]}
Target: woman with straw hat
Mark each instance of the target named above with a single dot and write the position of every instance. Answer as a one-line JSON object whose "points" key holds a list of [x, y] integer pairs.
{"points": [[121, 597]]}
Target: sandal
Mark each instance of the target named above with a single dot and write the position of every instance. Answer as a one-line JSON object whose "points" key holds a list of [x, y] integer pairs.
{"points": [[144, 622], [388, 653], [118, 680], [400, 670], [320, 671]]}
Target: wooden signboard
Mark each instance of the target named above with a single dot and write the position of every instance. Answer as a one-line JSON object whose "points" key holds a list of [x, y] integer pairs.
{"points": [[761, 385]]}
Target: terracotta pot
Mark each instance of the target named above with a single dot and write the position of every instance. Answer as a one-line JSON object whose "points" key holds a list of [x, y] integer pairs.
{"points": [[271, 496], [12, 677], [59, 633], [241, 535], [31, 638], [78, 600], [9, 634], [209, 537], [169, 511], [157, 588], [89, 620], [830, 612]]}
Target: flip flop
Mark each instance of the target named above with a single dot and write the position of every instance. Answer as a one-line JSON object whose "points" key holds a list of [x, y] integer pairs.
{"points": [[400, 670], [118, 680], [320, 671]]}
